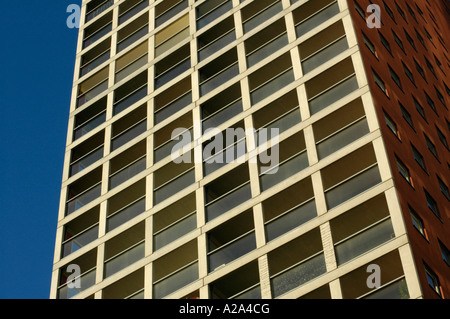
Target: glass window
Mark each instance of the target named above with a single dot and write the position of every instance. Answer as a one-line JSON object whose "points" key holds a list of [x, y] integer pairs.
{"points": [[410, 10], [418, 222], [380, 83], [433, 280], [402, 13], [410, 40], [395, 77], [444, 188], [369, 45], [442, 137], [409, 74], [406, 115], [418, 157], [432, 204], [172, 35], [389, 11], [445, 253], [439, 96], [419, 108], [392, 125], [385, 42], [430, 101], [359, 10], [398, 41], [404, 171], [431, 146], [430, 66], [420, 38], [419, 69]]}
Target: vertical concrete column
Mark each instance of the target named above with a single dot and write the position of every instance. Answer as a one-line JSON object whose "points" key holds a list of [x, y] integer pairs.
{"points": [[58, 247], [62, 203], [318, 193], [204, 292], [263, 263], [286, 3], [66, 164], [102, 218], [193, 42], [197, 143], [151, 53], [359, 69], [70, 129], [115, 17], [149, 191], [109, 105], [296, 65], [54, 284], [98, 294], [252, 152], [328, 247], [150, 112], [303, 102], [342, 5], [290, 26], [258, 218], [149, 153], [73, 104], [105, 177], [238, 24], [149, 236], [100, 263], [371, 114], [107, 143], [335, 289], [114, 38], [200, 206], [202, 246], [148, 281], [410, 271], [310, 145], [349, 30], [395, 211], [242, 57], [382, 160]]}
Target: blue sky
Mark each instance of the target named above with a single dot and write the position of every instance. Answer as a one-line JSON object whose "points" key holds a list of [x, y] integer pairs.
{"points": [[36, 72]]}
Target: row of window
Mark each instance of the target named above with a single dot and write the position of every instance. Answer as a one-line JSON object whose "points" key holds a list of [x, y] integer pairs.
{"points": [[235, 238], [229, 190], [342, 181], [212, 74], [258, 46], [341, 82], [220, 108], [409, 74], [208, 11], [391, 14]]}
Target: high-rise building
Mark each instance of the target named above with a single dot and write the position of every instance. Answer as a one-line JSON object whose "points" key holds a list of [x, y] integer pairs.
{"points": [[257, 149]]}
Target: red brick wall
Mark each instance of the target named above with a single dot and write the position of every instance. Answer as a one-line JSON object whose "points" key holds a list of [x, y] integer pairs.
{"points": [[424, 250]]}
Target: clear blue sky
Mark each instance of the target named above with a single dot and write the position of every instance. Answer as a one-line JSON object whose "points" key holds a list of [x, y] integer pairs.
{"points": [[36, 72]]}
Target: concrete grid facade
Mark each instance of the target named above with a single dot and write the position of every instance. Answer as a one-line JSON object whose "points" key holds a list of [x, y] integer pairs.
{"points": [[139, 225]]}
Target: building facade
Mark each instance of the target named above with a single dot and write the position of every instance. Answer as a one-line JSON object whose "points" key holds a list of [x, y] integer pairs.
{"points": [[257, 149]]}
